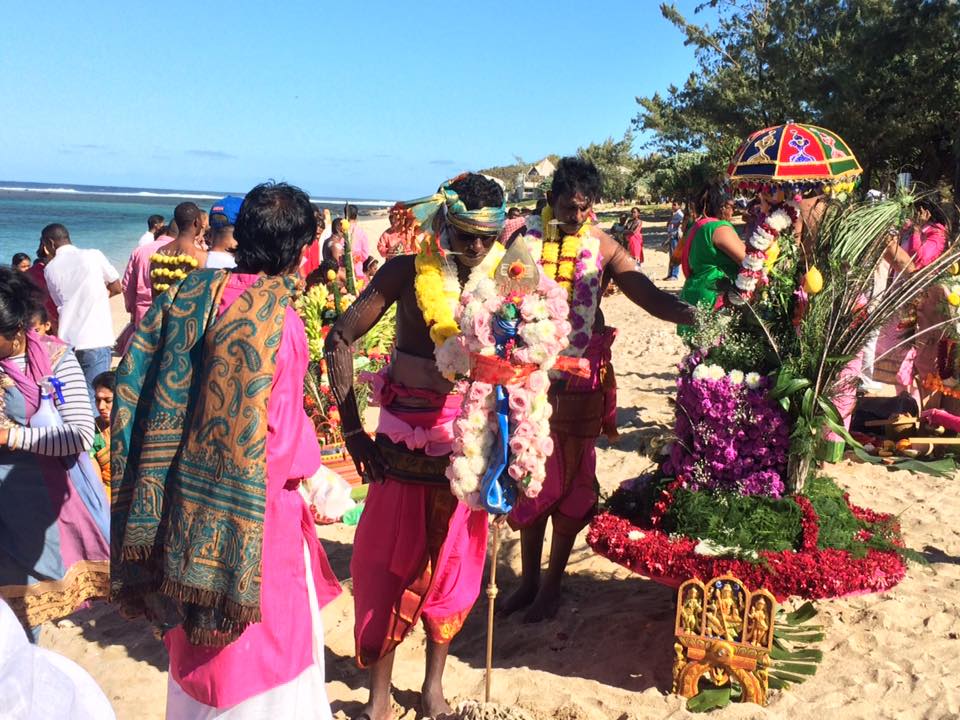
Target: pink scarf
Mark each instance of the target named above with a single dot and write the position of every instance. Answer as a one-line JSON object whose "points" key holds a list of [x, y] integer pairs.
{"points": [[38, 367]]}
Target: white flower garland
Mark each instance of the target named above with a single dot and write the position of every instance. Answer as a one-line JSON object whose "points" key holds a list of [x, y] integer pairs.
{"points": [[756, 264]]}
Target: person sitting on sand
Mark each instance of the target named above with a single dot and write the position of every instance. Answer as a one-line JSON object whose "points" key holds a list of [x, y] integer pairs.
{"points": [[569, 494], [172, 262], [224, 550], [418, 552]]}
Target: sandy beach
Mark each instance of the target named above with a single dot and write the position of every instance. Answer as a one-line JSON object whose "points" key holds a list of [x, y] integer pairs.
{"points": [[608, 653]]}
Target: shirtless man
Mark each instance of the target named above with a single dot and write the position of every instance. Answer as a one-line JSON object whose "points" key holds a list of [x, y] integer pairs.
{"points": [[189, 246], [569, 495], [418, 552]]}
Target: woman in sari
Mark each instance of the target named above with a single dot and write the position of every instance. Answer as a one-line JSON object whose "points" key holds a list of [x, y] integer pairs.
{"points": [[712, 250], [633, 232], [54, 550], [210, 534]]}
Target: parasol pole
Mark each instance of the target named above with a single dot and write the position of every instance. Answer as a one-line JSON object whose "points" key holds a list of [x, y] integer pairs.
{"points": [[491, 598]]}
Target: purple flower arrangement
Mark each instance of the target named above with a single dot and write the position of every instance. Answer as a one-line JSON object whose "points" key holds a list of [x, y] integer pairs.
{"points": [[730, 436]]}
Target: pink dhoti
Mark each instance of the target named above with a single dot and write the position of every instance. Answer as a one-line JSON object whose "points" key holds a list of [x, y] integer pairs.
{"points": [[418, 552], [581, 409]]}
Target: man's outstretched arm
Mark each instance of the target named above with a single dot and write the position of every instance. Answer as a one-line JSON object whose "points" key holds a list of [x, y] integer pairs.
{"points": [[640, 289]]}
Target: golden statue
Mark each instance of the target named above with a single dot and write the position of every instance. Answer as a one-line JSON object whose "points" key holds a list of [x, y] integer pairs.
{"points": [[758, 622], [724, 616], [692, 612], [734, 643]]}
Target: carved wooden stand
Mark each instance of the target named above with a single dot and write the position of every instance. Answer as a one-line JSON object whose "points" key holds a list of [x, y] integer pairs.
{"points": [[723, 631]]}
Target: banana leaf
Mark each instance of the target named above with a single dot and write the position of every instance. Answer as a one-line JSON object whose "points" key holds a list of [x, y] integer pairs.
{"points": [[942, 467], [710, 699]]}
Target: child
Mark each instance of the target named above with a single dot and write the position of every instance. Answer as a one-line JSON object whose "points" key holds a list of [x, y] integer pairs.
{"points": [[40, 322], [104, 386]]}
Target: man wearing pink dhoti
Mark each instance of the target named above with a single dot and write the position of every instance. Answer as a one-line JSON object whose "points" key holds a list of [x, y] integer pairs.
{"points": [[418, 553], [581, 406], [226, 534]]}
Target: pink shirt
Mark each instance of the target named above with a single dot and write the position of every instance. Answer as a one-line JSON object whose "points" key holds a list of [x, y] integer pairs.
{"points": [[279, 648], [927, 244], [360, 247], [137, 295]]}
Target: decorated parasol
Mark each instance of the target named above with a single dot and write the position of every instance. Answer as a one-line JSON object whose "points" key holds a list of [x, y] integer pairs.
{"points": [[794, 158]]}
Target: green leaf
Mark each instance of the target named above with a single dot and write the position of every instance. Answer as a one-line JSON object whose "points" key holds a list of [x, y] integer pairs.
{"points": [[806, 406], [796, 668], [809, 654], [806, 639], [802, 614], [776, 683], [944, 467], [709, 699], [786, 677]]}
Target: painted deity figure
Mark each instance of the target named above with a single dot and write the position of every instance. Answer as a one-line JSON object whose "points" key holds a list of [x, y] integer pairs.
{"points": [[723, 614]]}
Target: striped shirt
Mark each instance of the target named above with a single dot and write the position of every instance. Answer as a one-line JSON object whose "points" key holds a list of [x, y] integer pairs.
{"points": [[76, 434]]}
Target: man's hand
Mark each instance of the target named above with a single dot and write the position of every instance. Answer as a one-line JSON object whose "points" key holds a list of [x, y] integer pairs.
{"points": [[114, 288], [366, 457]]}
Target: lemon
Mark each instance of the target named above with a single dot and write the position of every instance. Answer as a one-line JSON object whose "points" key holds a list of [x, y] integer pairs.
{"points": [[954, 299], [813, 281]]}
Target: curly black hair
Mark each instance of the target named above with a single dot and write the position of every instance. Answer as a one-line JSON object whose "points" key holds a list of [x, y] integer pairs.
{"points": [[275, 223], [576, 174], [477, 191]]}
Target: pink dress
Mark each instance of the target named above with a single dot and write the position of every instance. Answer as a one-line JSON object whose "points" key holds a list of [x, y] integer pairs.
{"points": [[278, 649], [635, 242]]}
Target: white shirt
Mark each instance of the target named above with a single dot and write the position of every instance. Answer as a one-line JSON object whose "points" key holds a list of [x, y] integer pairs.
{"points": [[145, 239], [219, 260], [77, 280]]}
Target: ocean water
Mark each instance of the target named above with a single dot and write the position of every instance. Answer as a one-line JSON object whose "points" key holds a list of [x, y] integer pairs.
{"points": [[111, 219]]}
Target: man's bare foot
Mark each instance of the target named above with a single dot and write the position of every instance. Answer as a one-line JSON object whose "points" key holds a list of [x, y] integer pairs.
{"points": [[374, 713], [545, 606], [434, 705], [518, 599]]}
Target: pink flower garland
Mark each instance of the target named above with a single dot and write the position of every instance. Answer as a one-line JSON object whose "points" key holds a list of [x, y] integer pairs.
{"points": [[542, 334]]}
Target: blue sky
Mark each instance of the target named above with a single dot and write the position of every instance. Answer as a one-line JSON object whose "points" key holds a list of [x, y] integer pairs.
{"points": [[373, 99]]}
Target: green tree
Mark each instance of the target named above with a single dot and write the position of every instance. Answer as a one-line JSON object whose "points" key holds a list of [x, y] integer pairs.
{"points": [[884, 74], [617, 164]]}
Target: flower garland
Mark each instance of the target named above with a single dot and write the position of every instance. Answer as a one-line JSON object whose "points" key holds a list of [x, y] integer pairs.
{"points": [[542, 332], [575, 263], [438, 293], [163, 277], [763, 250], [811, 574]]}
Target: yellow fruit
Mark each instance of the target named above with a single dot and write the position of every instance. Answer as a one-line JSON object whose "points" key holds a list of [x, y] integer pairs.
{"points": [[954, 299], [954, 269], [773, 252], [813, 281]]}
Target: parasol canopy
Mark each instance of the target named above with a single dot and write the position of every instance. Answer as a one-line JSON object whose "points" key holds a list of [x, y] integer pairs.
{"points": [[794, 158]]}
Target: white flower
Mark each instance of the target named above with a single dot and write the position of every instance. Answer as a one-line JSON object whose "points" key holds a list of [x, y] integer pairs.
{"points": [[699, 372], [477, 465], [746, 282], [452, 358], [753, 262], [779, 221], [635, 535], [753, 380], [761, 240], [736, 377], [715, 372]]}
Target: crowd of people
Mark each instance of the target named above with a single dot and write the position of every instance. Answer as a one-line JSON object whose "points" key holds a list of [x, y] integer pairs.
{"points": [[171, 485]]}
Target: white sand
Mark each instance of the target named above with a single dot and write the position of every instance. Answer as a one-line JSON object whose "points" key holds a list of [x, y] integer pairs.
{"points": [[607, 654]]}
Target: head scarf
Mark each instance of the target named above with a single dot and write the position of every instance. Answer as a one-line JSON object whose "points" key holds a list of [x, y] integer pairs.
{"points": [[482, 221]]}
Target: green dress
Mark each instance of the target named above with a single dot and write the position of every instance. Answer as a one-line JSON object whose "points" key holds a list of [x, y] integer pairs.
{"points": [[708, 265]]}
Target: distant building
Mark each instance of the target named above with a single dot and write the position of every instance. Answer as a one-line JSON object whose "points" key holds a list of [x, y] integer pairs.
{"points": [[528, 184]]}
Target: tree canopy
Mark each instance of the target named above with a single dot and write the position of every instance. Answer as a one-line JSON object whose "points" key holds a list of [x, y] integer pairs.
{"points": [[884, 74]]}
